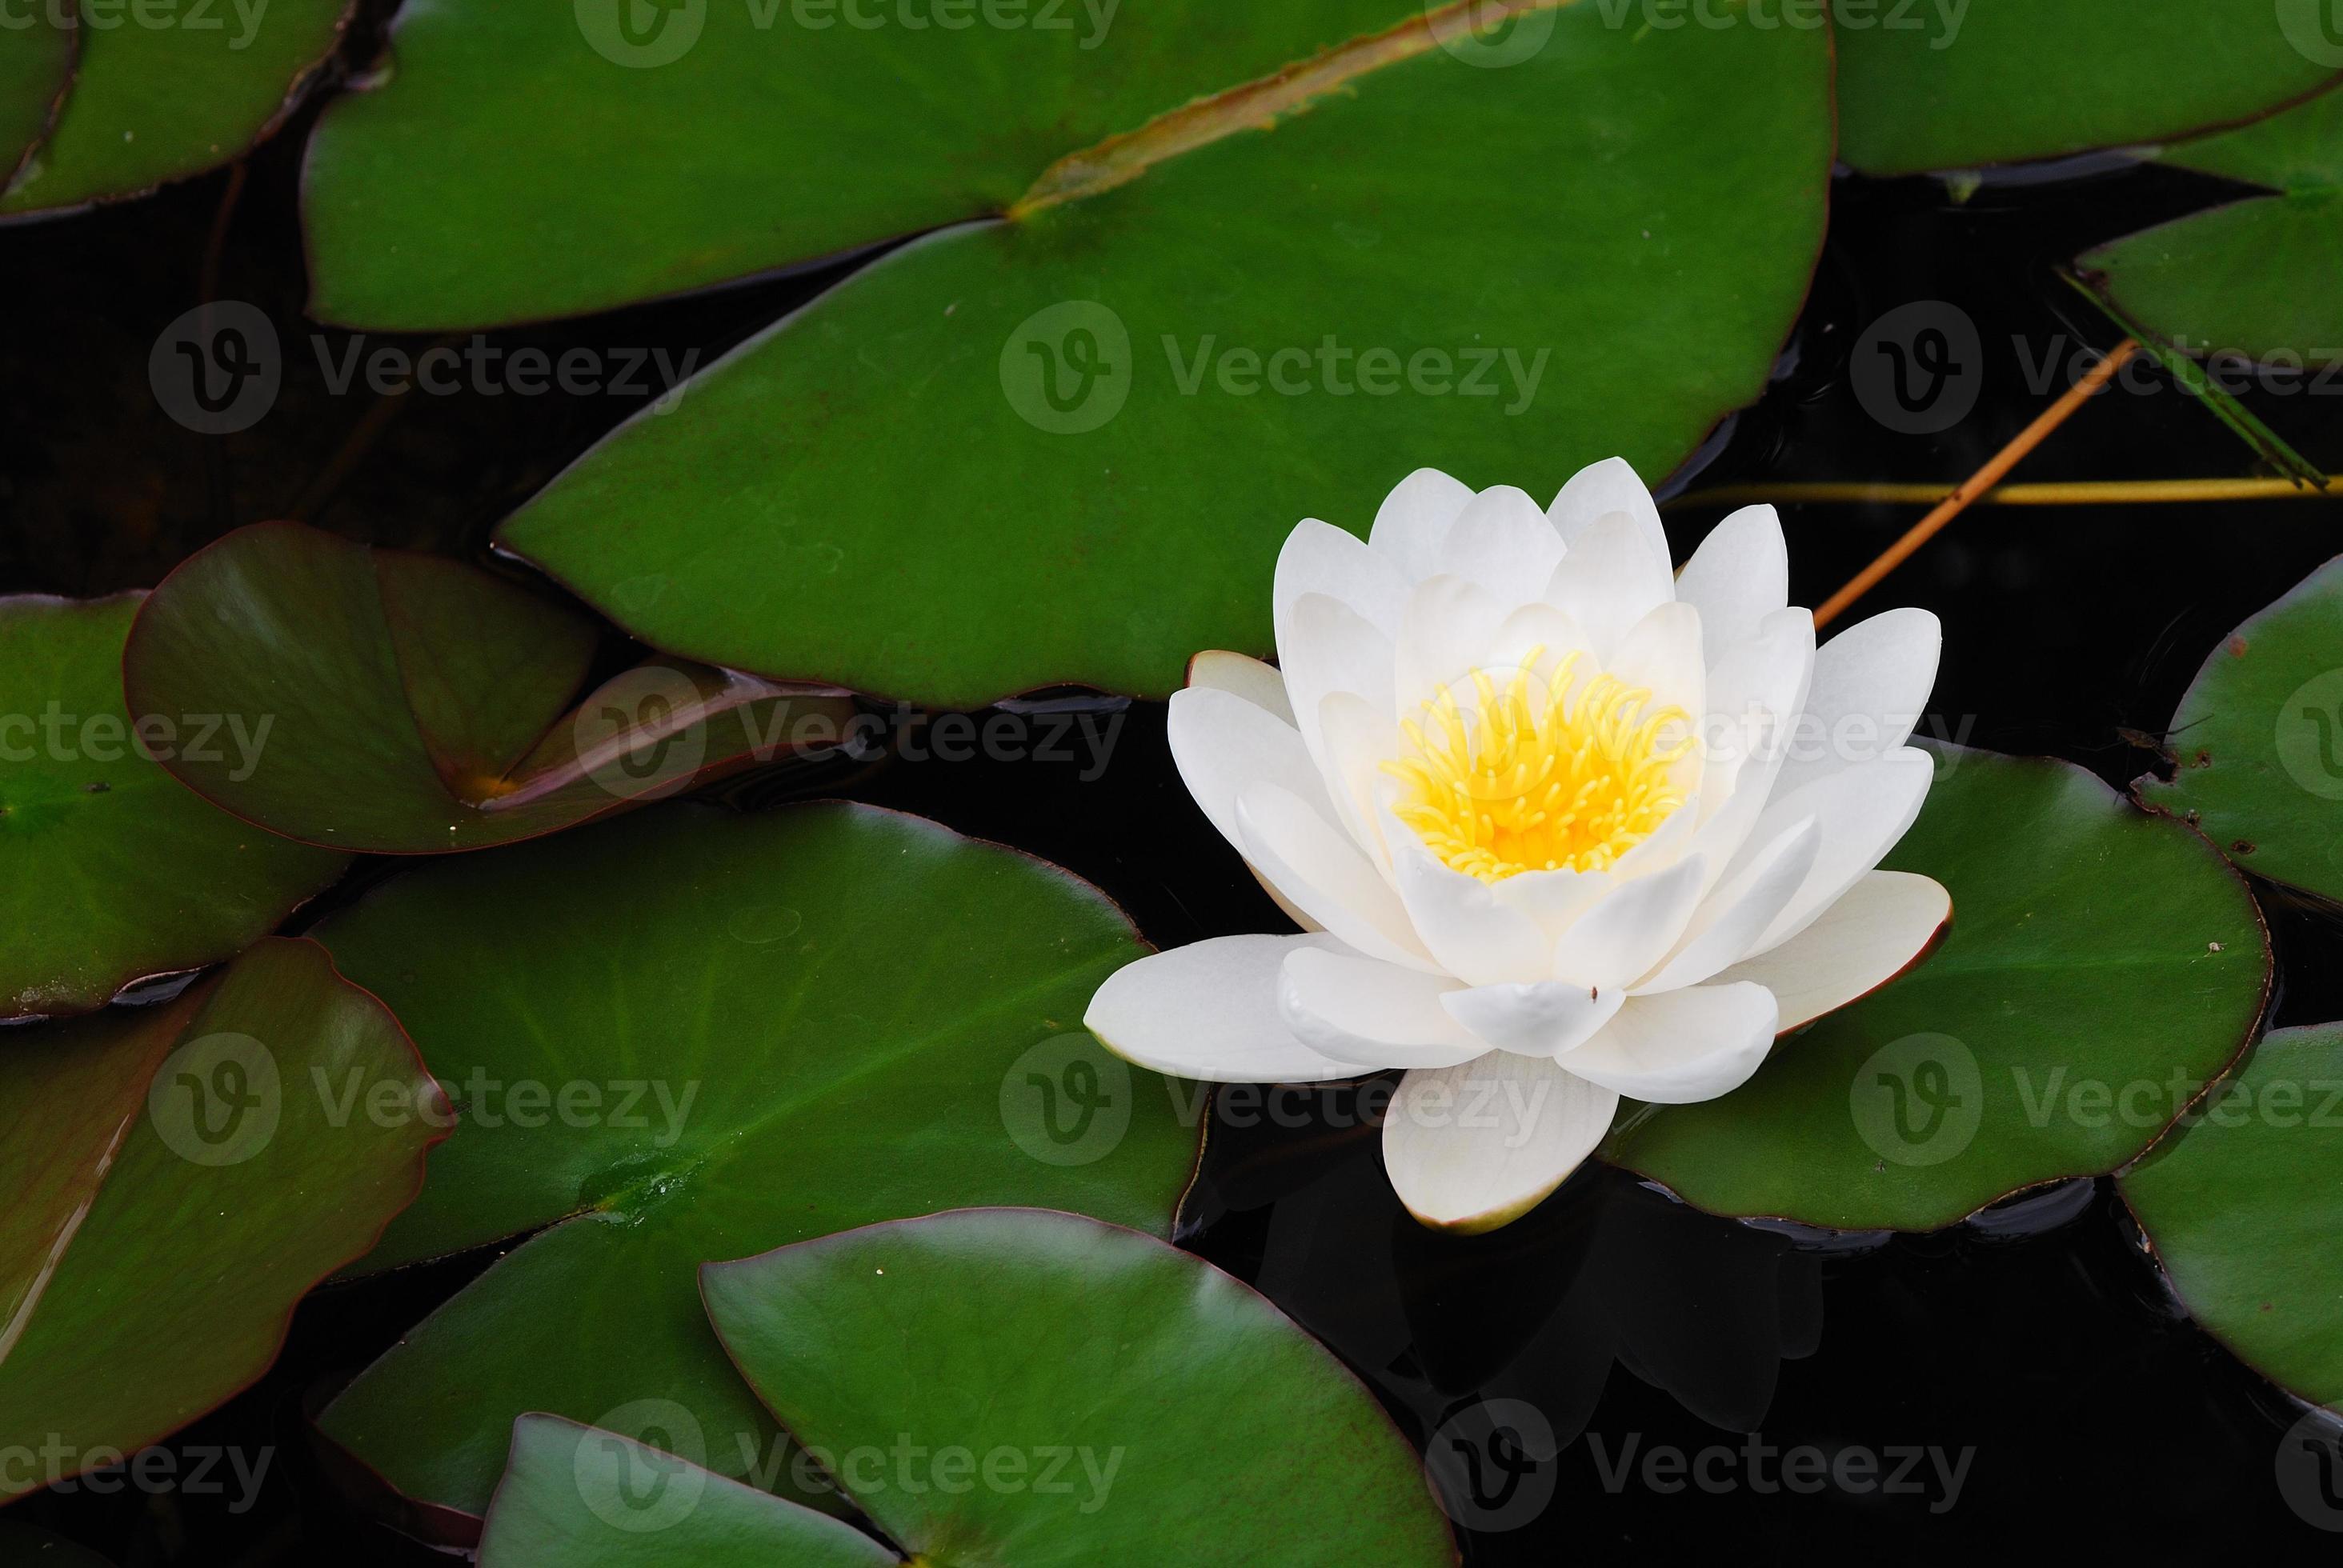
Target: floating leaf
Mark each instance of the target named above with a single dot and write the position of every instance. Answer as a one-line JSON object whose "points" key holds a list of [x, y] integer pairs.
{"points": [[1957, 84], [2258, 740], [109, 869], [768, 1027], [179, 1176], [163, 91], [2244, 1206], [1135, 341], [2254, 278], [1091, 1388], [2103, 967], [420, 705], [35, 66], [573, 1497]]}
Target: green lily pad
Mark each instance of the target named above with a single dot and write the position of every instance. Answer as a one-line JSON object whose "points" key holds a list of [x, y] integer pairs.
{"points": [[109, 869], [419, 705], [2244, 1205], [1141, 360], [573, 1497], [36, 64], [2104, 966], [770, 1028], [2254, 278], [1014, 1386], [1957, 84], [179, 1176], [2258, 741], [172, 88]]}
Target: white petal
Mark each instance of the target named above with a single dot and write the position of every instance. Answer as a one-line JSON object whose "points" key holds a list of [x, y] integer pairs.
{"points": [[1862, 811], [1730, 919], [1209, 1011], [1608, 487], [1321, 558], [1871, 682], [1332, 648], [1221, 742], [1738, 575], [1754, 692], [1471, 934], [1355, 739], [1628, 933], [1672, 840], [1415, 518], [1502, 541], [1240, 676], [1555, 900], [1876, 929], [1448, 630], [1682, 1046], [1540, 628], [1325, 875], [1662, 652], [1609, 581], [1475, 1146], [1541, 1020], [1375, 1014]]}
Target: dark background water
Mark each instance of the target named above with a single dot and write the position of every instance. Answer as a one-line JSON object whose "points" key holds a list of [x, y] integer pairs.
{"points": [[2040, 1343]]}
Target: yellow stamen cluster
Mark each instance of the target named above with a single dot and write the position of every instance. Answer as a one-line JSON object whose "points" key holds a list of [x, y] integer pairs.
{"points": [[1534, 781]]}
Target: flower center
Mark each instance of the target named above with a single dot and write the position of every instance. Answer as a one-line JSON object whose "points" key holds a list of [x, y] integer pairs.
{"points": [[1535, 782]]}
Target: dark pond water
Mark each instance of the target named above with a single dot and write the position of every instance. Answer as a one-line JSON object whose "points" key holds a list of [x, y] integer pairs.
{"points": [[2026, 1380]]}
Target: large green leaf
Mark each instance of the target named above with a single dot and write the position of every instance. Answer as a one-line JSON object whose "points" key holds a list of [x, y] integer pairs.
{"points": [[2103, 967], [793, 1024], [1006, 1386], [169, 88], [1060, 438], [109, 869], [35, 66], [420, 705], [1954, 83], [178, 1177], [2258, 741], [2254, 278], [2244, 1206], [573, 1497]]}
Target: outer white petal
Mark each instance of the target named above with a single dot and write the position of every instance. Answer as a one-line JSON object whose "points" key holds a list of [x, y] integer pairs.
{"points": [[1871, 683], [1877, 929], [1476, 1146], [1730, 919], [1541, 1020], [1863, 811], [1209, 1011], [1415, 518], [1469, 932], [1319, 558], [1447, 631], [1318, 870], [1502, 541], [1375, 1014], [1624, 936], [1738, 575], [1221, 742], [1682, 1046], [1610, 486], [1242, 676], [1754, 693], [1609, 581]]}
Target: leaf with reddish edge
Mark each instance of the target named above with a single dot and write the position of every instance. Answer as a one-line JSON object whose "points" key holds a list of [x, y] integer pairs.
{"points": [[827, 1014], [576, 1497], [36, 62], [179, 1176], [416, 705], [1169, 1393], [110, 870], [2095, 950]]}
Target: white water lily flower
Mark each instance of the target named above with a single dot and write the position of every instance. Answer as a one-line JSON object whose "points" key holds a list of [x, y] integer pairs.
{"points": [[1559, 828]]}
